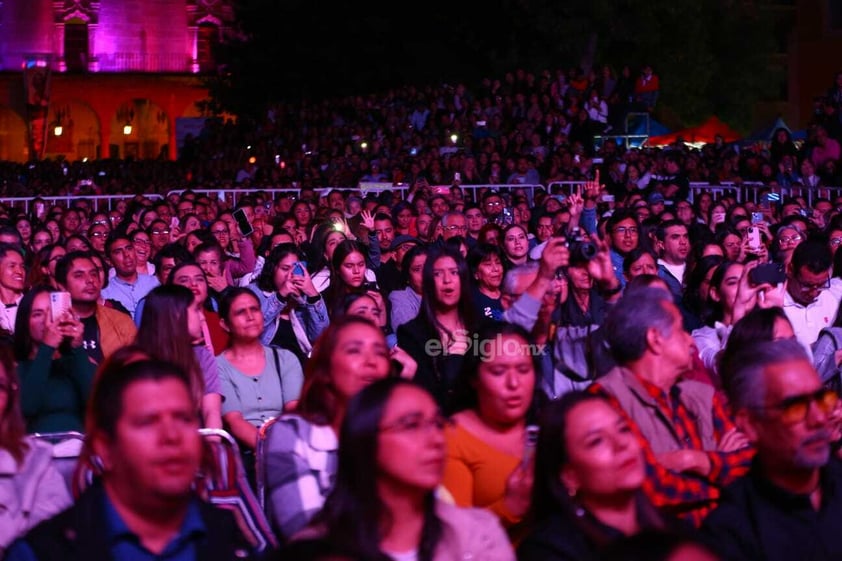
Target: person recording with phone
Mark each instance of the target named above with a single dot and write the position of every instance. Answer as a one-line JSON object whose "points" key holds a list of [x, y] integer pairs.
{"points": [[54, 370], [294, 313]]}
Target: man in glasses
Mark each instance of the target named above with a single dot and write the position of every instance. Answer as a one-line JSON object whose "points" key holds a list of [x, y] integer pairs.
{"points": [[789, 504], [807, 302]]}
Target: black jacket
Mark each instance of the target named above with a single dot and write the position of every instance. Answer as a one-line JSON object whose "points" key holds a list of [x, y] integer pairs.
{"points": [[437, 372], [78, 534]]}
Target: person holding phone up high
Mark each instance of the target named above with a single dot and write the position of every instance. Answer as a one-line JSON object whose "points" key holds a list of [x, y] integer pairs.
{"points": [[294, 313], [54, 370]]}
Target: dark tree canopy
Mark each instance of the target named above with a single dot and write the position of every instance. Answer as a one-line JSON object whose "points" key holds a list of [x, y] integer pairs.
{"points": [[712, 56]]}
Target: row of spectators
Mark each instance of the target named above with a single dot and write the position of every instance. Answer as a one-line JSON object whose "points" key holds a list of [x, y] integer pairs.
{"points": [[567, 311]]}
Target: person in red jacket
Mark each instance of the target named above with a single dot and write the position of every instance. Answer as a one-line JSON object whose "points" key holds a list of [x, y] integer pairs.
{"points": [[646, 88]]}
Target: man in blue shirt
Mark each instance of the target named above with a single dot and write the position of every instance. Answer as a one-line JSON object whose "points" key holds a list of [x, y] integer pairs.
{"points": [[144, 428], [127, 286]]}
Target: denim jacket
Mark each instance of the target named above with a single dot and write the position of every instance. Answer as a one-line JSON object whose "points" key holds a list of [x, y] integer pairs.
{"points": [[308, 320]]}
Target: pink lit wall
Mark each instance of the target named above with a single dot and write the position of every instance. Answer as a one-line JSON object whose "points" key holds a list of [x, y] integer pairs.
{"points": [[142, 35], [26, 28]]}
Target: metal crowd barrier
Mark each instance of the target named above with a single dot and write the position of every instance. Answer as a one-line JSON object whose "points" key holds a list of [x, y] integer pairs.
{"points": [[98, 202], [743, 192]]}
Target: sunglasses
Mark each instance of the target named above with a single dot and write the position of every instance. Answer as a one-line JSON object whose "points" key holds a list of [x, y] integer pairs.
{"points": [[794, 409]]}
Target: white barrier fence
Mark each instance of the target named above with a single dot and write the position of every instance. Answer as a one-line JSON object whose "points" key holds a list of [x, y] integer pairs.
{"points": [[743, 192]]}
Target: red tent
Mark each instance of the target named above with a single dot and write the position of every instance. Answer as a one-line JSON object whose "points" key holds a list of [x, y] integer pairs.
{"points": [[704, 133]]}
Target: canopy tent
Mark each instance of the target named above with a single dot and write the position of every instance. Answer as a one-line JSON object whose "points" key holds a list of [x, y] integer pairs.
{"points": [[766, 134], [638, 131], [702, 134], [655, 128]]}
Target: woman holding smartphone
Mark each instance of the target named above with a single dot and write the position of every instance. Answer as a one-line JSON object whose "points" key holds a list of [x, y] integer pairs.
{"points": [[54, 370], [294, 313]]}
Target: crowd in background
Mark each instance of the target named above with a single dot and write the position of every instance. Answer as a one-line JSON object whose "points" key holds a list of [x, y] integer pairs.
{"points": [[383, 362]]}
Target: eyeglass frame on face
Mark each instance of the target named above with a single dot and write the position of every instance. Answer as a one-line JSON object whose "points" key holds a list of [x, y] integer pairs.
{"points": [[810, 287], [835, 242], [794, 238], [791, 416], [454, 228], [626, 230], [159, 233]]}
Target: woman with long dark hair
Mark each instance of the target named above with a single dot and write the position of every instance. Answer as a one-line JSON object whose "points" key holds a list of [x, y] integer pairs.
{"points": [[349, 273], [294, 313], [54, 369], [301, 448], [439, 336], [497, 397], [191, 276], [171, 331], [589, 475], [389, 510]]}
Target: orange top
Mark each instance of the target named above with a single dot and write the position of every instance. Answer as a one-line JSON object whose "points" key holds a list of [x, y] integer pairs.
{"points": [[476, 473]]}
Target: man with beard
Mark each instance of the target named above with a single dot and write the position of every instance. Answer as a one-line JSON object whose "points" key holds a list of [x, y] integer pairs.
{"points": [[789, 504]]}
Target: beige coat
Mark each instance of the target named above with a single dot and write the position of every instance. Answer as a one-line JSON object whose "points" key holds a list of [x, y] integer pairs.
{"points": [[29, 493]]}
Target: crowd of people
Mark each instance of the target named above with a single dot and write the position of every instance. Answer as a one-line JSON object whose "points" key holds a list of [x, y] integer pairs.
{"points": [[523, 127], [615, 372]]}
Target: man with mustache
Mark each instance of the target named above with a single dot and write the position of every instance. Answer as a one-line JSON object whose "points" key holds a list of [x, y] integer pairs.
{"points": [[789, 504]]}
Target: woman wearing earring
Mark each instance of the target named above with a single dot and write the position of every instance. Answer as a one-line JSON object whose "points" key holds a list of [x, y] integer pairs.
{"points": [[589, 474]]}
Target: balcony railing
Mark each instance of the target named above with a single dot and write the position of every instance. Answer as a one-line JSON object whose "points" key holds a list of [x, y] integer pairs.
{"points": [[144, 62]]}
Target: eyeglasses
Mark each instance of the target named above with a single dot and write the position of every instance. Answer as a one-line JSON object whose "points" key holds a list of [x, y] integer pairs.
{"points": [[415, 423], [160, 232], [794, 409], [141, 242], [493, 203], [835, 241], [220, 232], [795, 238], [97, 234], [456, 228], [626, 230], [811, 286]]}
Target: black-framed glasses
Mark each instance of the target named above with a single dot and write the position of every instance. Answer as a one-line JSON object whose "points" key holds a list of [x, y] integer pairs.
{"points": [[626, 230], [794, 409]]}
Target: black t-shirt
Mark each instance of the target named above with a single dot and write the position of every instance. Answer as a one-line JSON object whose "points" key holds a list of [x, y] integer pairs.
{"points": [[489, 308], [285, 339], [90, 338], [388, 277]]}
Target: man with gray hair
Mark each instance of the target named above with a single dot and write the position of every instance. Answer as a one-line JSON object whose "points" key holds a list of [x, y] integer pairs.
{"points": [[691, 446], [789, 504], [454, 224]]}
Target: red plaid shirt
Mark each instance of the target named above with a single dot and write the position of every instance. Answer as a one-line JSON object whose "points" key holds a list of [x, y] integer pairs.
{"points": [[687, 495]]}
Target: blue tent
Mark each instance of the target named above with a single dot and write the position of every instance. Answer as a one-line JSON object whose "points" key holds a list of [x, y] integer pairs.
{"points": [[638, 126], [766, 134]]}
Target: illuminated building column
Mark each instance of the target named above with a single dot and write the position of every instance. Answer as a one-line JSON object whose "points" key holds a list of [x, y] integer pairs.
{"points": [[194, 50], [58, 49], [93, 60]]}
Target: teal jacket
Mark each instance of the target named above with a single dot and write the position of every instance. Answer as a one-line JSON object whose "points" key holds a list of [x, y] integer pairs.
{"points": [[54, 392]]}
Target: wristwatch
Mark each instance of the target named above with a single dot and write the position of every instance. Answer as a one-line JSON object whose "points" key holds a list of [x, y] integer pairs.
{"points": [[314, 299]]}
